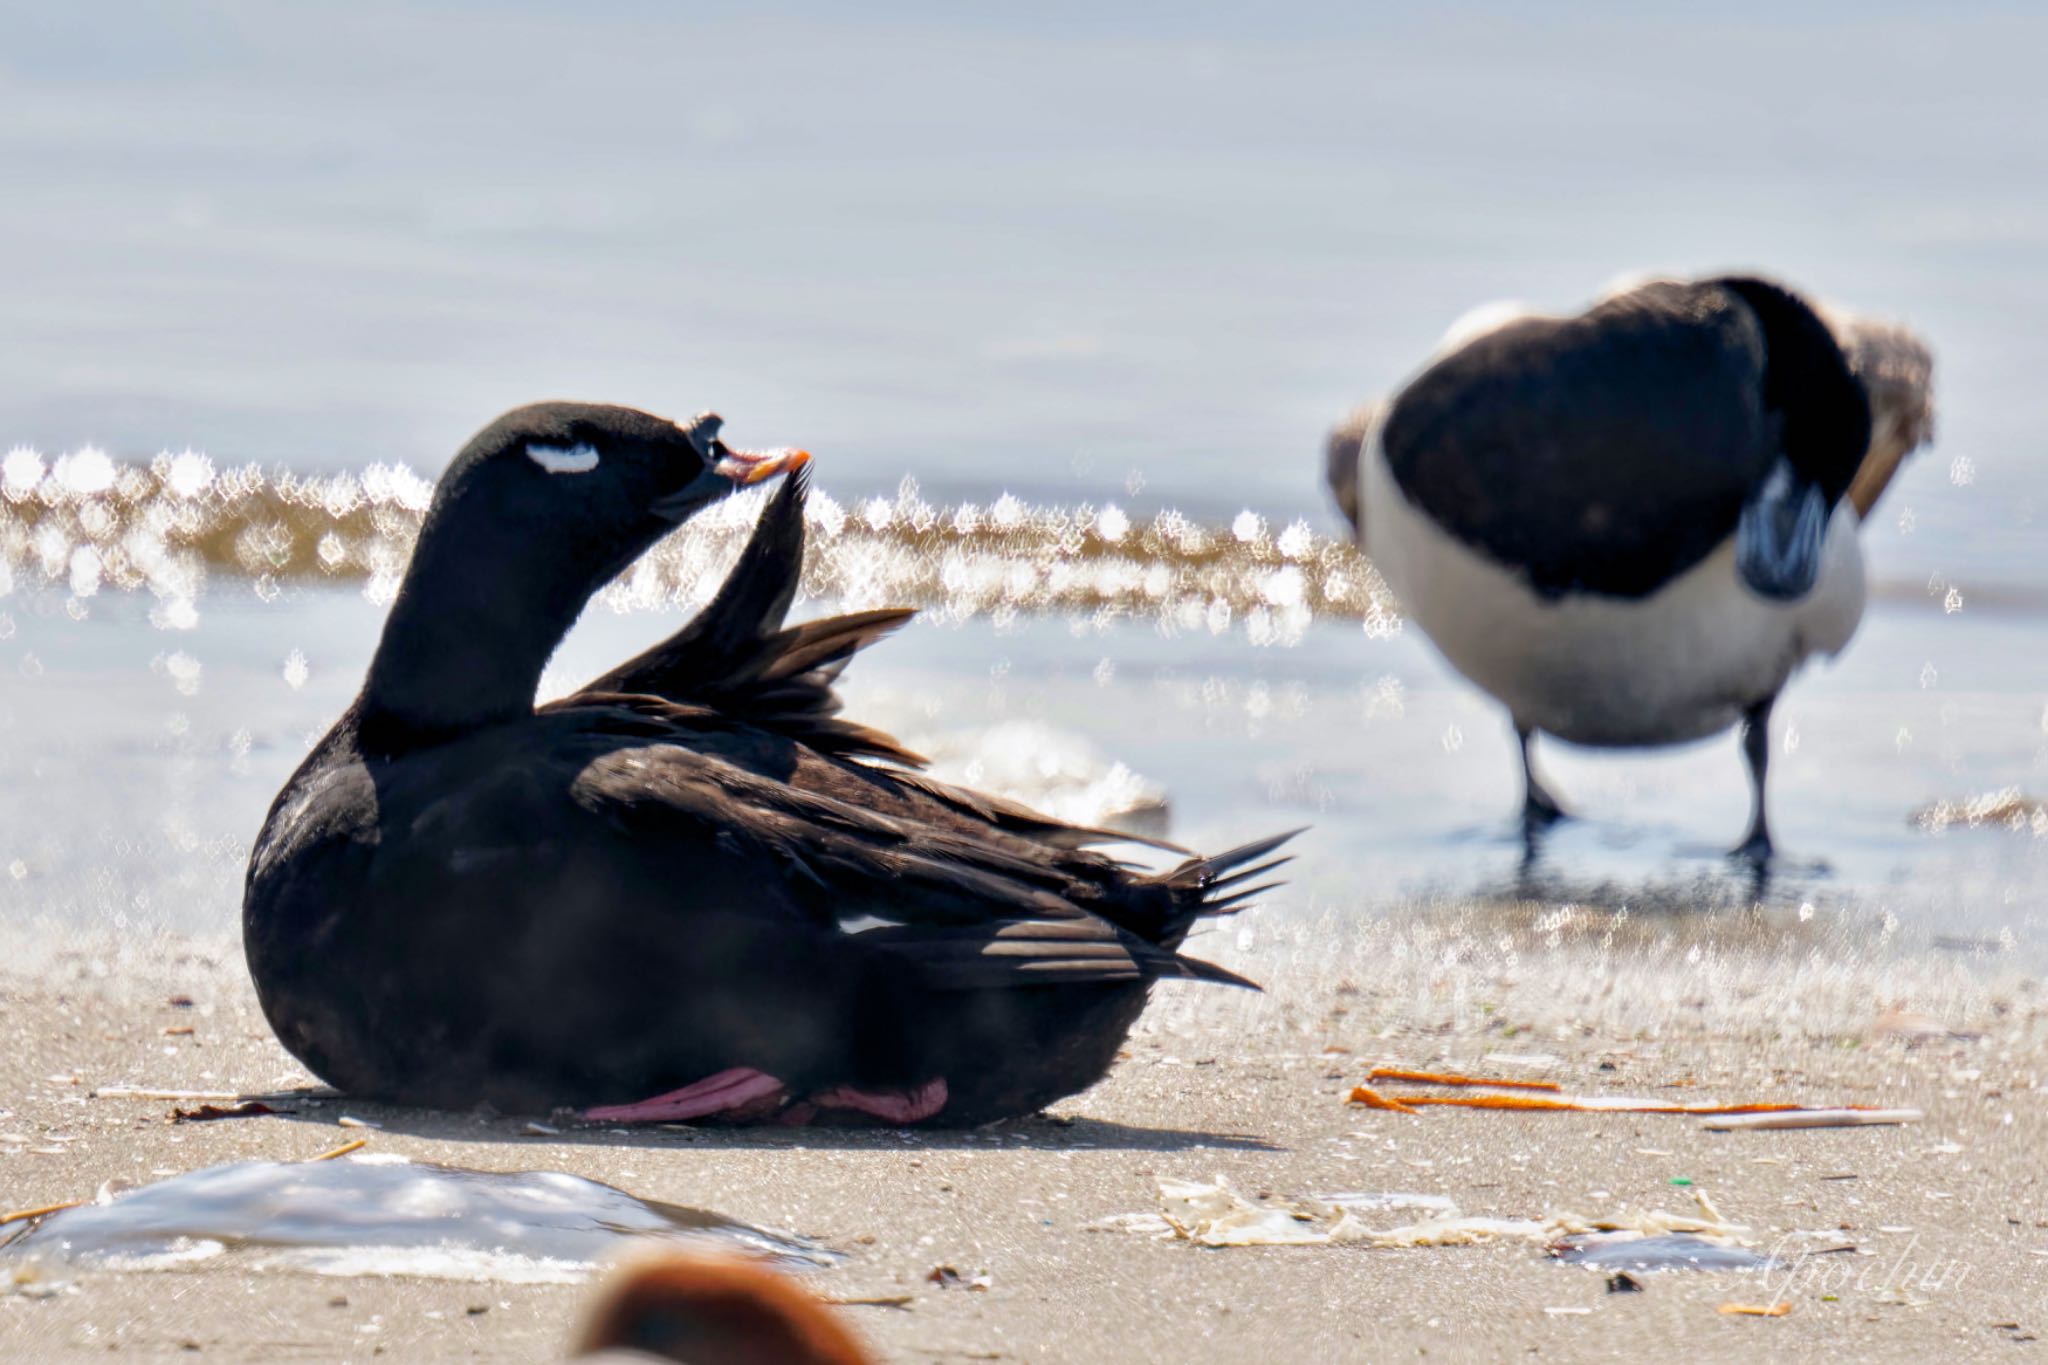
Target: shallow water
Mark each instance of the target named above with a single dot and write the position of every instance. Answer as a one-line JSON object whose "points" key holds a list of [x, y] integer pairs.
{"points": [[385, 1216], [144, 741]]}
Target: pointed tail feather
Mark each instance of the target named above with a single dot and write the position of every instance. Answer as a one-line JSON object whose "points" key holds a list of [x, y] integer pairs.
{"points": [[1248, 873], [1207, 874], [1238, 900], [1203, 886], [1194, 969]]}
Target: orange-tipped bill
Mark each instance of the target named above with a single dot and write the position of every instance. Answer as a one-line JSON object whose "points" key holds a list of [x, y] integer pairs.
{"points": [[725, 472], [748, 467]]}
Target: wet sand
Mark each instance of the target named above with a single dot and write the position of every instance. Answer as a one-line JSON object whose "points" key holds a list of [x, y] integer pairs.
{"points": [[1949, 1216]]}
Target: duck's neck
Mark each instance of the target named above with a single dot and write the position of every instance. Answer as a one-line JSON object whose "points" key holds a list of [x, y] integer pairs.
{"points": [[463, 648]]}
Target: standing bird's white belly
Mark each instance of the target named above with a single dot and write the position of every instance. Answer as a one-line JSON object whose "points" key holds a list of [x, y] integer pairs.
{"points": [[1678, 664]]}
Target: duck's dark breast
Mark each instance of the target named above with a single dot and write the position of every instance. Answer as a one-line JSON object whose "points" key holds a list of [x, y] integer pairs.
{"points": [[454, 928], [1606, 453]]}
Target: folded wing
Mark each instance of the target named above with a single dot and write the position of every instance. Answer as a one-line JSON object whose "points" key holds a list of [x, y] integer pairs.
{"points": [[965, 913]]}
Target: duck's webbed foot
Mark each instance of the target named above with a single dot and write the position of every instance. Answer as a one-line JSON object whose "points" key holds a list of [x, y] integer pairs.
{"points": [[744, 1095], [740, 1094], [1756, 848], [890, 1106]]}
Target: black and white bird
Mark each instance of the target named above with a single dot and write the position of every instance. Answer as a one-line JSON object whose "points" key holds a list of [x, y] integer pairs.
{"points": [[1631, 526]]}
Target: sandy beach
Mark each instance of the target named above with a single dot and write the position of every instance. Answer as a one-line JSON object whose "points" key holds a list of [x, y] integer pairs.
{"points": [[1948, 1217]]}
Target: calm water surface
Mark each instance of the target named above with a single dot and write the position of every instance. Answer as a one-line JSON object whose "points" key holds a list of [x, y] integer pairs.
{"points": [[1140, 259]]}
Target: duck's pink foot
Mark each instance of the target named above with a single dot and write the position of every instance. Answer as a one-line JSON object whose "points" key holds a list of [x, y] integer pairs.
{"points": [[739, 1093], [892, 1106]]}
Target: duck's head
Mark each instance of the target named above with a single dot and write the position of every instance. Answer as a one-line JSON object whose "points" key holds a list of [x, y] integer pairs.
{"points": [[539, 511], [593, 484]]}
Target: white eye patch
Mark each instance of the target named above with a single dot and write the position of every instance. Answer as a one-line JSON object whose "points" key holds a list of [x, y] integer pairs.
{"points": [[576, 459]]}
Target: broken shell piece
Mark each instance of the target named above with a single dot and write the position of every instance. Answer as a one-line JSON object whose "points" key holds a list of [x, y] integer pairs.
{"points": [[1211, 1213], [1363, 1201], [1459, 1232], [1218, 1216]]}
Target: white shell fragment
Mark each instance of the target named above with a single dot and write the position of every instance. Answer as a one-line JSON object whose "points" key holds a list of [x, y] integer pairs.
{"points": [[1212, 1214]]}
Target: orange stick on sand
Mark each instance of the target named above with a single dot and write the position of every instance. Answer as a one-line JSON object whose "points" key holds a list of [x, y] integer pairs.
{"points": [[1409, 1103], [1582, 1107], [19, 1214], [1829, 1116], [342, 1150], [1389, 1073], [1756, 1310]]}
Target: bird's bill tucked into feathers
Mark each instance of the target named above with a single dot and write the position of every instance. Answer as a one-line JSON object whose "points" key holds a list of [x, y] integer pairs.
{"points": [[1896, 370], [1341, 451]]}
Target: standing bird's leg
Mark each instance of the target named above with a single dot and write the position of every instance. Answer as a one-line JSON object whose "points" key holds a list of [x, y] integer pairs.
{"points": [[1756, 748], [1539, 808]]}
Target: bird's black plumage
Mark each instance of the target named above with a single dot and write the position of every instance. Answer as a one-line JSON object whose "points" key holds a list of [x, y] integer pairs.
{"points": [[693, 864], [1611, 451]]}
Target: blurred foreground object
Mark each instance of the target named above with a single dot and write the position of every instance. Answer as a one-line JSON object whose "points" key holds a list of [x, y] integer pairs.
{"points": [[711, 1310]]}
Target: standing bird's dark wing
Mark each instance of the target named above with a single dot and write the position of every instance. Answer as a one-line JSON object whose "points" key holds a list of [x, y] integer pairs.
{"points": [[1610, 452], [1822, 431]]}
